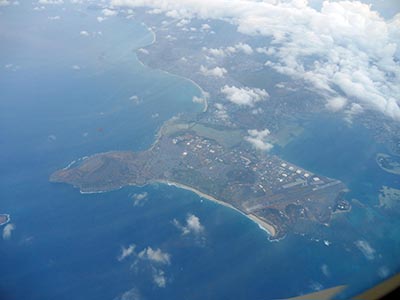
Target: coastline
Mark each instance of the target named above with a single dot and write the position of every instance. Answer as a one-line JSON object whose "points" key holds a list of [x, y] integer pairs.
{"points": [[203, 93], [263, 225], [8, 219]]}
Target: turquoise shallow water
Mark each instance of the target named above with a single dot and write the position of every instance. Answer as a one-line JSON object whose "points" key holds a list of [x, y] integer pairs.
{"points": [[66, 245]]}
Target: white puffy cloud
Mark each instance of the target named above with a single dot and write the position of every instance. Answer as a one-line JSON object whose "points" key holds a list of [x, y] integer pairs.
{"points": [[221, 112], [355, 109], [140, 198], [225, 51], [159, 278], [108, 12], [245, 48], [215, 72], [7, 231], [205, 27], [216, 52], [4, 2], [344, 44], [244, 96], [84, 33], [193, 225], [257, 139], [156, 256], [336, 103], [126, 252]]}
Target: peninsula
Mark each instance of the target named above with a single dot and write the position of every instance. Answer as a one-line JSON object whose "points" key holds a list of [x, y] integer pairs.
{"points": [[213, 163]]}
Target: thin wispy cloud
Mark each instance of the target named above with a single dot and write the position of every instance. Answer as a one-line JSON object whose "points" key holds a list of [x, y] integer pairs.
{"points": [[132, 294], [126, 252], [150, 259], [7, 231], [140, 198]]}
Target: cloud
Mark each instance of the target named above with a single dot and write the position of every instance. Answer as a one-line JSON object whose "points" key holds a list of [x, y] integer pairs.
{"points": [[230, 50], [221, 112], [156, 256], [76, 67], [159, 278], [325, 270], [205, 27], [336, 104], [217, 52], [126, 252], [132, 294], [257, 139], [11, 67], [199, 100], [135, 99], [149, 258], [344, 45], [192, 225], [244, 96], [140, 198], [215, 72], [46, 2], [4, 2], [39, 8], [7, 231], [383, 272], [245, 48], [109, 12], [365, 249], [84, 33], [354, 110], [54, 18], [144, 51]]}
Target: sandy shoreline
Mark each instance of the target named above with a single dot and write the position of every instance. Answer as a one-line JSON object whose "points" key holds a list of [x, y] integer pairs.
{"points": [[203, 93], [262, 224]]}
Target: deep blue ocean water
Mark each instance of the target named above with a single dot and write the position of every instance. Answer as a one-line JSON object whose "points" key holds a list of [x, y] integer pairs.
{"points": [[66, 245]]}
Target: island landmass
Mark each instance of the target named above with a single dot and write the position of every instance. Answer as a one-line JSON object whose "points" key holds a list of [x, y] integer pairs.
{"points": [[222, 154], [388, 163], [218, 166], [389, 198], [4, 219]]}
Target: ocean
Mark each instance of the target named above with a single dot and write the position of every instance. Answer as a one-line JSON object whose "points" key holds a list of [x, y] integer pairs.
{"points": [[67, 94]]}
